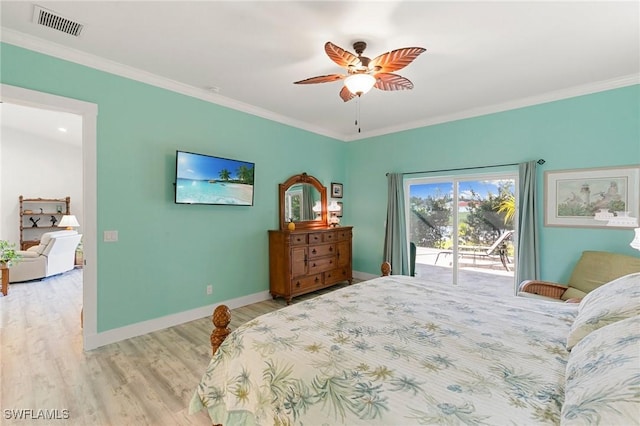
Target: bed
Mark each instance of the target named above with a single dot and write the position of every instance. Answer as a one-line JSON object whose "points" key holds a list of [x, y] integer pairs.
{"points": [[397, 350]]}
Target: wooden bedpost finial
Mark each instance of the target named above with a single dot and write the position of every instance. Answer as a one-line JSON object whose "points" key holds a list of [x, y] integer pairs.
{"points": [[221, 319], [386, 269]]}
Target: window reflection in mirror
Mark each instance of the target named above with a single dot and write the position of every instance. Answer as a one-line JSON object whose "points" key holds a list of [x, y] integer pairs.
{"points": [[300, 201]]}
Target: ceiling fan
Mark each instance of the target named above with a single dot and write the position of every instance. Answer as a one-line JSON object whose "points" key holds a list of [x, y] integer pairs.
{"points": [[364, 73]]}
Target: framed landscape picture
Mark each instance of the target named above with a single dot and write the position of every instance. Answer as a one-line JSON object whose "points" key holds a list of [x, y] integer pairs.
{"points": [[603, 197]]}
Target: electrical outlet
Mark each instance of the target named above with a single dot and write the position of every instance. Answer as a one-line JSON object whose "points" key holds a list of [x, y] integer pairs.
{"points": [[209, 289]]}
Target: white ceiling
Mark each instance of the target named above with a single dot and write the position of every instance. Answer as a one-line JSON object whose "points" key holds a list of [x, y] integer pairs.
{"points": [[481, 56], [54, 126]]}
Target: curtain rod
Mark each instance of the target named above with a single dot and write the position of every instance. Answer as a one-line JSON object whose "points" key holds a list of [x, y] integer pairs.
{"points": [[540, 161]]}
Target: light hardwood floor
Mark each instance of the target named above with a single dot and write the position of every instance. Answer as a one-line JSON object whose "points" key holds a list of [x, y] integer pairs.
{"points": [[146, 380]]}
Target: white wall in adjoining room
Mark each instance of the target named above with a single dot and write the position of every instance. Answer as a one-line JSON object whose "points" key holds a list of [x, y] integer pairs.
{"points": [[1, 180], [36, 166]]}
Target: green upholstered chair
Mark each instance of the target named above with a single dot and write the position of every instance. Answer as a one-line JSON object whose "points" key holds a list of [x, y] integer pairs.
{"points": [[593, 269]]}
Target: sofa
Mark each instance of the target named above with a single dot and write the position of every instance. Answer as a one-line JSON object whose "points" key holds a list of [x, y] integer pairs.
{"points": [[54, 255]]}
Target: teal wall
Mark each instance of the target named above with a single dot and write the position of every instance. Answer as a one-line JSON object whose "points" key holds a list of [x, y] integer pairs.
{"points": [[598, 130], [167, 253]]}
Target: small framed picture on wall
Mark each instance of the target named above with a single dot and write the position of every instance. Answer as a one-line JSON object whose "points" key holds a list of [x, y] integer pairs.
{"points": [[336, 190]]}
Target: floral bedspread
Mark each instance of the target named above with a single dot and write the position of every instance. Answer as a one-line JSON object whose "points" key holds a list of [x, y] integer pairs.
{"points": [[393, 351]]}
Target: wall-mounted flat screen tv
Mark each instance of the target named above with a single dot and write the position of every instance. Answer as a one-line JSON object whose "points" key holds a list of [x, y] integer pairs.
{"points": [[204, 179]]}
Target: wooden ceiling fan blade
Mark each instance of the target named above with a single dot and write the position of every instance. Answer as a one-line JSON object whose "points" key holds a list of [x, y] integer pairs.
{"points": [[321, 79], [346, 95], [388, 81], [396, 59], [340, 56]]}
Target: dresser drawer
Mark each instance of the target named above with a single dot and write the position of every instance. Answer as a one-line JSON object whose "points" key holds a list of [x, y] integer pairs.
{"points": [[343, 234], [329, 237], [304, 283], [315, 238], [298, 239], [337, 275], [321, 250], [322, 237], [321, 265]]}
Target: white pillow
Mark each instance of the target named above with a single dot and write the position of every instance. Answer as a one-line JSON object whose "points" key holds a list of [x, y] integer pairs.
{"points": [[603, 377], [614, 301]]}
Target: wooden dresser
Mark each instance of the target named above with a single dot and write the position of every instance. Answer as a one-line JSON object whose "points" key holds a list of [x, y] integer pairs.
{"points": [[302, 261]]}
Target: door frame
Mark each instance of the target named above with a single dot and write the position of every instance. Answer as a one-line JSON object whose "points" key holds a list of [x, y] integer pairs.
{"points": [[89, 113]]}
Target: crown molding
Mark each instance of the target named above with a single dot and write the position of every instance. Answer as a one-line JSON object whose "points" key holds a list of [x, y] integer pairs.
{"points": [[571, 92], [96, 62], [73, 55]]}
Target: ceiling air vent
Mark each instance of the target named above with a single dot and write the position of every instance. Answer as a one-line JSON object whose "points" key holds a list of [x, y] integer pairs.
{"points": [[51, 19]]}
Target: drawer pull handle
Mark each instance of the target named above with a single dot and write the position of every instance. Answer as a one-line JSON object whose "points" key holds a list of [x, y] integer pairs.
{"points": [[330, 248], [313, 251], [317, 279], [298, 284]]}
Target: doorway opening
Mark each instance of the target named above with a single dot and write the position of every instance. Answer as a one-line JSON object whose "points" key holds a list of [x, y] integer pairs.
{"points": [[89, 113]]}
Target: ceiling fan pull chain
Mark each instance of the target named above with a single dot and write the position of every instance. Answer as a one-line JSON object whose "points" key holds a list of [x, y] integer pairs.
{"points": [[358, 112]]}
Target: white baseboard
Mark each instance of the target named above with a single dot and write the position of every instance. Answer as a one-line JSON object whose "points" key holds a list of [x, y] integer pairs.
{"points": [[144, 327], [364, 275], [117, 334]]}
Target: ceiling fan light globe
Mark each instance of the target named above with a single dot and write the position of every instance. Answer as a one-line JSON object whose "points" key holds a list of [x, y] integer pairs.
{"points": [[359, 84]]}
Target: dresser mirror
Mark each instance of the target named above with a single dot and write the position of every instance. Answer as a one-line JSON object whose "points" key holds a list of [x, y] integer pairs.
{"points": [[303, 200]]}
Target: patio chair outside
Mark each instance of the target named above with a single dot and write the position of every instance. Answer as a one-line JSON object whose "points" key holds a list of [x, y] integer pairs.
{"points": [[497, 249]]}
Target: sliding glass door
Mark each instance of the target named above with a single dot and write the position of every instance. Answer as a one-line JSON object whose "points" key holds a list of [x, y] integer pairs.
{"points": [[463, 227]]}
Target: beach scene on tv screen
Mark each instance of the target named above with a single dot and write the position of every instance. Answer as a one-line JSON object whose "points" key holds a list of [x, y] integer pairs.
{"points": [[202, 179]]}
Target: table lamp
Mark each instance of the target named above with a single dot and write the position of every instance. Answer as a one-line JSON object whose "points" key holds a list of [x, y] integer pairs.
{"points": [[68, 222], [334, 208]]}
